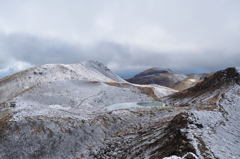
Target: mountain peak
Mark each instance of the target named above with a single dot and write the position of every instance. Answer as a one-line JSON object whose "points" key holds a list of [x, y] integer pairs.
{"points": [[224, 77], [87, 71], [94, 63], [100, 67]]}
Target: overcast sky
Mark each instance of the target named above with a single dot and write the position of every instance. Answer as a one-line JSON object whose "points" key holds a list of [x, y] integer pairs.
{"points": [[125, 35]]}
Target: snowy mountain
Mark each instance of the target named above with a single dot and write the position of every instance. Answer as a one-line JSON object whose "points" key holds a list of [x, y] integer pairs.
{"points": [[22, 81], [71, 88], [86, 111], [214, 105]]}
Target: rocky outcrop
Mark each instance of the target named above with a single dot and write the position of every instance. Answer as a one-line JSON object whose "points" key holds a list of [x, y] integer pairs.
{"points": [[216, 81]]}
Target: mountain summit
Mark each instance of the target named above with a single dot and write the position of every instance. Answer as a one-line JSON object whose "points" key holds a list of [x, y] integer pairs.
{"points": [[22, 81]]}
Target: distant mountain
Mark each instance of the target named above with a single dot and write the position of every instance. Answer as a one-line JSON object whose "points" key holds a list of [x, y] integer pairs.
{"points": [[166, 77], [153, 71]]}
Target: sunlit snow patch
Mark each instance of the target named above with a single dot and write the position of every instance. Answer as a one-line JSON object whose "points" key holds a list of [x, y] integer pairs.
{"points": [[173, 157], [188, 155], [135, 104], [59, 107]]}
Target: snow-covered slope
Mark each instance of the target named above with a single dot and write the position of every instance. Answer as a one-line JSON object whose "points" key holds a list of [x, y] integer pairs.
{"points": [[215, 104], [71, 90], [99, 67], [72, 98], [66, 117], [13, 85], [58, 111]]}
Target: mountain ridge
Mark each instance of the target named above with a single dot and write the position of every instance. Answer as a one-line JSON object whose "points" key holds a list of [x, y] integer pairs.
{"points": [[69, 118]]}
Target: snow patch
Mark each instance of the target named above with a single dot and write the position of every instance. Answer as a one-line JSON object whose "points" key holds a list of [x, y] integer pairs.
{"points": [[238, 69], [56, 106], [134, 104], [192, 80], [162, 91], [173, 157], [186, 156]]}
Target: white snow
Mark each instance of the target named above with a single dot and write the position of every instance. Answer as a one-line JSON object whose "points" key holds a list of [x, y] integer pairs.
{"points": [[80, 91], [56, 106], [162, 91], [222, 128], [90, 71], [173, 157], [238, 69], [193, 156], [159, 91], [77, 90], [134, 105], [192, 80], [74, 98]]}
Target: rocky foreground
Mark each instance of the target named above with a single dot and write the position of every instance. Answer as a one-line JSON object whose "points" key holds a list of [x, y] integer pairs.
{"points": [[66, 116]]}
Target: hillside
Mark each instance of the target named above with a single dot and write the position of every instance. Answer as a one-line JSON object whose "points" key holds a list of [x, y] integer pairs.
{"points": [[22, 81], [101, 116], [216, 104]]}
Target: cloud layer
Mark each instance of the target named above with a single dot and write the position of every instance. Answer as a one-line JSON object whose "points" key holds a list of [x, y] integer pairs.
{"points": [[126, 35]]}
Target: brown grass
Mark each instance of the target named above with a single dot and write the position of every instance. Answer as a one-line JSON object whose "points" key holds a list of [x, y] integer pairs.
{"points": [[4, 120], [209, 108], [10, 77], [215, 99], [148, 90], [38, 130], [17, 94], [116, 84]]}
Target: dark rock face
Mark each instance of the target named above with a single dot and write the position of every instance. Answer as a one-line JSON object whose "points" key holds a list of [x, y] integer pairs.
{"points": [[163, 137], [179, 144], [159, 139]]}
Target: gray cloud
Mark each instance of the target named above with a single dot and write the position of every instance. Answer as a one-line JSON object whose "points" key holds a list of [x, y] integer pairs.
{"points": [[126, 35], [36, 51]]}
